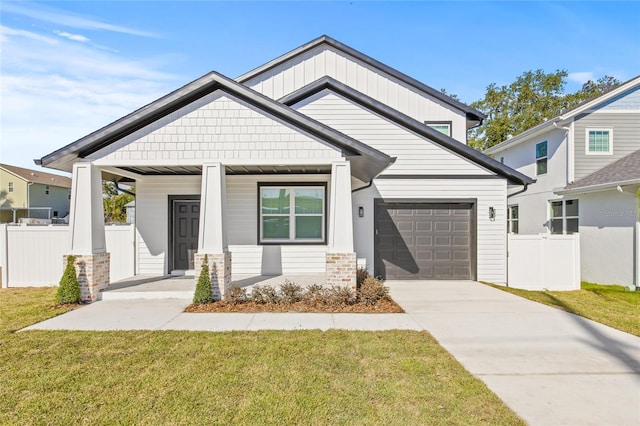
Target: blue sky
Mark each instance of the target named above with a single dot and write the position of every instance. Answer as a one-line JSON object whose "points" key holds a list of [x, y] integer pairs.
{"points": [[69, 68]]}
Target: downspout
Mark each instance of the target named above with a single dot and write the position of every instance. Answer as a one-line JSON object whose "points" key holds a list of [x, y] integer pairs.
{"points": [[569, 137], [28, 198], [363, 187]]}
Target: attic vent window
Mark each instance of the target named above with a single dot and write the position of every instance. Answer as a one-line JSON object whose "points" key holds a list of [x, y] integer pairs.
{"points": [[443, 127]]}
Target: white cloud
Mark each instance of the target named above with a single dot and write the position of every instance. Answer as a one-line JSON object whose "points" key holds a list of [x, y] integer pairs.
{"points": [[581, 76], [55, 90], [74, 37], [63, 18]]}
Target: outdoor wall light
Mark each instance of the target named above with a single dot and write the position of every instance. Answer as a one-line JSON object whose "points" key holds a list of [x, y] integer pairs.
{"points": [[360, 211], [492, 213]]}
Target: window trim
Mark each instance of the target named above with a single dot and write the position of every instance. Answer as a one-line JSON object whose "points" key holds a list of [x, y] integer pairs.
{"points": [[510, 220], [10, 187], [545, 158], [597, 129], [564, 216], [441, 123], [293, 185]]}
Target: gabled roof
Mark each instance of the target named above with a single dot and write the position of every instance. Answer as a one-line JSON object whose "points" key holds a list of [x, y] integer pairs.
{"points": [[563, 118], [471, 113], [625, 171], [36, 176], [366, 162], [408, 123]]}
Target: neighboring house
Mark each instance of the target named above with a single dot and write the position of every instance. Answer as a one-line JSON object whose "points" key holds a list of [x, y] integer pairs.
{"points": [[586, 163], [310, 163], [23, 189]]}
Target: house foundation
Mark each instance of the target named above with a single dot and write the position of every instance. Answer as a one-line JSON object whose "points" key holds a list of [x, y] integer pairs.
{"points": [[93, 274], [220, 270]]}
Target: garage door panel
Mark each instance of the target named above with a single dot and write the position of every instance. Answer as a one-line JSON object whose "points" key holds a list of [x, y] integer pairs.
{"points": [[424, 241]]}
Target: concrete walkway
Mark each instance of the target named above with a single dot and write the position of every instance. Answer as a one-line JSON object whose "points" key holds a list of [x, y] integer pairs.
{"points": [[549, 366]]}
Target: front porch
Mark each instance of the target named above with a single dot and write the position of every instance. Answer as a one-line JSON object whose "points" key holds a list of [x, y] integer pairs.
{"points": [[147, 287]]}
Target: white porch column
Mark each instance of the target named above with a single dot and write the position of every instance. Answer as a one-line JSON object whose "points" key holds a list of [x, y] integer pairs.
{"points": [[212, 233], [341, 258], [86, 230]]}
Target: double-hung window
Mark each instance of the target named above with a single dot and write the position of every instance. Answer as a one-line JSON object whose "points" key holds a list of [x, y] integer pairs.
{"points": [[541, 158], [10, 186], [46, 190], [599, 142], [443, 127], [564, 216], [512, 219], [292, 213]]}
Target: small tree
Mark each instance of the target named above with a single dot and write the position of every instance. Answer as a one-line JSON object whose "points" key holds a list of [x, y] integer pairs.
{"points": [[69, 288], [203, 287]]}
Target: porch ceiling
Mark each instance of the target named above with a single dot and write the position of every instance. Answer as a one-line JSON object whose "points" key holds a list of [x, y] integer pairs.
{"points": [[230, 170]]}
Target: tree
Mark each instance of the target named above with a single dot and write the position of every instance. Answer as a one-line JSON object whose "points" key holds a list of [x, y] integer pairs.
{"points": [[203, 292], [114, 202], [534, 97], [69, 287]]}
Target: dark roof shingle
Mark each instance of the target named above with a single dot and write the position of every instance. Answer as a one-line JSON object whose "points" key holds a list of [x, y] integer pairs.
{"points": [[37, 176], [625, 169]]}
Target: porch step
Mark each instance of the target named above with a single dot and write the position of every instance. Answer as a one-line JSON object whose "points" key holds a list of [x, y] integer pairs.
{"points": [[145, 288]]}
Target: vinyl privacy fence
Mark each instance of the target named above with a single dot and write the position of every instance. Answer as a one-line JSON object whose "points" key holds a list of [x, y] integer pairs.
{"points": [[31, 255], [544, 262]]}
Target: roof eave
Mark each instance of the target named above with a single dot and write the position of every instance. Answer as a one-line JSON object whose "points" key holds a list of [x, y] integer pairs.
{"points": [[596, 188]]}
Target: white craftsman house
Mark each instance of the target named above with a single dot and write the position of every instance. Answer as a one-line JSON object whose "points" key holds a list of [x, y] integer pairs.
{"points": [[317, 161], [586, 163]]}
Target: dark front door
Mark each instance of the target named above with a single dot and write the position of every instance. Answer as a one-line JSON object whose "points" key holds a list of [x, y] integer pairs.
{"points": [[424, 241], [186, 218]]}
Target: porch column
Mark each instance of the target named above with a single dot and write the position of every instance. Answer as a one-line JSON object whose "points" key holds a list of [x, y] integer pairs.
{"points": [[212, 233], [86, 230], [341, 258]]}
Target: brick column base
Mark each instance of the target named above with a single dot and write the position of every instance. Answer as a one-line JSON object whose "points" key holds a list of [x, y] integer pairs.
{"points": [[220, 269], [93, 274], [341, 269]]}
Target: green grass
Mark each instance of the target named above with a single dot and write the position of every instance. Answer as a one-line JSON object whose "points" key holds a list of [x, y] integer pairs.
{"points": [[21, 307], [610, 305], [253, 378]]}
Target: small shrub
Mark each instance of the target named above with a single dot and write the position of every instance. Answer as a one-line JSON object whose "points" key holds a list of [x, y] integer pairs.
{"points": [[372, 291], [262, 294], [340, 296], [236, 294], [290, 292], [361, 275], [69, 288], [203, 292], [314, 294]]}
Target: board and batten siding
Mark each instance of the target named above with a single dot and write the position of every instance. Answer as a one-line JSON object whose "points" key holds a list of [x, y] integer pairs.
{"points": [[626, 138], [217, 127], [415, 154], [152, 221], [325, 61], [490, 234]]}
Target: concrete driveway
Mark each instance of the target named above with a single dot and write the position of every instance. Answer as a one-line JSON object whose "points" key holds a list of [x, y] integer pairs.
{"points": [[551, 367]]}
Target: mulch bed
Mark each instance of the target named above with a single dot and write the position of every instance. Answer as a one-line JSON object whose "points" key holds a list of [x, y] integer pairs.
{"points": [[383, 307]]}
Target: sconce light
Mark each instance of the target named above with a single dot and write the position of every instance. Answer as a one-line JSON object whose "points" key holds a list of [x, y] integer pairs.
{"points": [[360, 211], [492, 213]]}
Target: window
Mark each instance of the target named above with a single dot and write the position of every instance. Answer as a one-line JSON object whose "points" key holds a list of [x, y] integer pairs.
{"points": [[46, 190], [443, 127], [10, 186], [541, 158], [599, 142], [292, 214], [564, 217], [502, 160], [512, 220]]}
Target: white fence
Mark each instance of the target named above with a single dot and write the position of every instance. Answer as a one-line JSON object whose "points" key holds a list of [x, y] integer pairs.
{"points": [[32, 255], [539, 262]]}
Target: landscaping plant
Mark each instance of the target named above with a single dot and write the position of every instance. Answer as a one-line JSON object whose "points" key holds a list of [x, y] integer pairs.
{"points": [[237, 294], [203, 287], [69, 288], [372, 291]]}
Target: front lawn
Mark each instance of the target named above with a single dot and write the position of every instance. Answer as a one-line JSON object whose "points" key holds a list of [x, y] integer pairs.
{"points": [[21, 307], [610, 305], [271, 377]]}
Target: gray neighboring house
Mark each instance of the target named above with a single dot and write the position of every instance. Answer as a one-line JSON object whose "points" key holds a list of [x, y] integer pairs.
{"points": [[586, 163], [24, 189]]}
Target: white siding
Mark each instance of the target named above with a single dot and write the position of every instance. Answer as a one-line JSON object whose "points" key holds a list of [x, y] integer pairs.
{"points": [[325, 61], [152, 207], [152, 218], [218, 127], [415, 154], [491, 235]]}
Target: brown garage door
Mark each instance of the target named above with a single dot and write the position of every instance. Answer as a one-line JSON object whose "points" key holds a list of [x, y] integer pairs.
{"points": [[425, 241]]}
